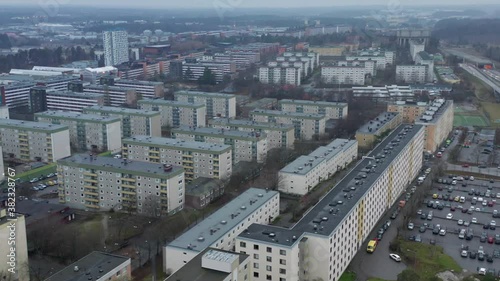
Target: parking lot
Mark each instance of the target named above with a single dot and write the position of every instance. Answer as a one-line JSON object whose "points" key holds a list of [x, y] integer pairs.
{"points": [[466, 205]]}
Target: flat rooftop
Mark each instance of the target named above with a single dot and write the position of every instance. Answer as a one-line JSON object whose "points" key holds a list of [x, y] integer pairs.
{"points": [[121, 111], [106, 87], [319, 103], [262, 102], [221, 133], [241, 123], [75, 116], [340, 200], [290, 114], [434, 112], [205, 94], [176, 144], [75, 94], [137, 82], [95, 265], [202, 185], [31, 126], [199, 237], [425, 56], [377, 123], [111, 164], [171, 103]]}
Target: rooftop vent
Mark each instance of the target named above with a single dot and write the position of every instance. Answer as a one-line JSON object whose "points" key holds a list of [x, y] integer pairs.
{"points": [[76, 268], [223, 222], [201, 238], [272, 234], [260, 195], [243, 208]]}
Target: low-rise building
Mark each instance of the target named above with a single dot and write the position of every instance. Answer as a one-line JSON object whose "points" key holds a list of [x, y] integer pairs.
{"points": [[332, 110], [410, 111], [217, 104], [33, 141], [133, 121], [177, 113], [369, 133], [220, 229], [306, 125], [388, 92], [246, 146], [14, 248], [73, 101], [438, 123], [202, 191], [278, 135], [99, 266], [303, 174], [87, 132], [199, 159], [105, 183]]}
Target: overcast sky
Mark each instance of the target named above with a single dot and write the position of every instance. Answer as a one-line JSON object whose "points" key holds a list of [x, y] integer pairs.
{"points": [[248, 3]]}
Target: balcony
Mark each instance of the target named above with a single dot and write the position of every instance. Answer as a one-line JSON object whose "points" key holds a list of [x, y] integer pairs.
{"points": [[154, 156], [187, 160], [129, 178], [90, 205], [96, 200], [94, 187], [92, 180], [89, 174], [90, 192], [128, 191], [127, 185]]}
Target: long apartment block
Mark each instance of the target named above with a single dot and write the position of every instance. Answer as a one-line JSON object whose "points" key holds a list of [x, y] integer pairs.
{"points": [[145, 89], [323, 243], [88, 132], [438, 122], [220, 229], [104, 183], [371, 132], [306, 125], [33, 141], [278, 135], [133, 121], [177, 113], [115, 96], [73, 101], [198, 159], [303, 174], [218, 104], [332, 110], [246, 146]]}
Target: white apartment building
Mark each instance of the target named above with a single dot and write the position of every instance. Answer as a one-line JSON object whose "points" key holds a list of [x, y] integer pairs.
{"points": [[144, 89], [332, 110], [278, 135], [323, 243], [304, 63], [242, 60], [104, 183], [16, 94], [382, 58], [312, 57], [412, 73], [220, 229], [177, 113], [198, 159], [194, 70], [346, 73], [280, 74], [133, 121], [415, 48], [217, 104], [424, 58], [20, 252], [2, 167], [306, 125], [393, 92], [87, 131], [72, 101], [438, 122], [114, 95], [246, 146], [33, 141], [115, 47], [303, 174]]}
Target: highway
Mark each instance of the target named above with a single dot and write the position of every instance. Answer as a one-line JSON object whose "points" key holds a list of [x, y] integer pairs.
{"points": [[479, 74]]}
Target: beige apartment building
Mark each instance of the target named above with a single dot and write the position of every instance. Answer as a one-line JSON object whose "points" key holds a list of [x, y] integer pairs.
{"points": [[217, 104], [369, 133], [33, 141], [306, 125], [177, 113], [133, 121], [278, 135], [410, 111], [104, 183], [13, 227], [438, 123], [198, 159], [332, 110], [87, 131], [246, 146]]}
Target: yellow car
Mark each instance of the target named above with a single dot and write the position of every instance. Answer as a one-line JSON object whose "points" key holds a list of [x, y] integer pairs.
{"points": [[435, 196], [457, 199], [50, 183]]}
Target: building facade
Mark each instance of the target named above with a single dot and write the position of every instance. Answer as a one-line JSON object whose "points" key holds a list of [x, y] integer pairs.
{"points": [[438, 123], [202, 191], [114, 95], [87, 132], [144, 89], [33, 141], [13, 229], [370, 132], [410, 111], [115, 47], [177, 113], [332, 110], [104, 183], [282, 73], [194, 70], [411, 73], [217, 104], [72, 101]]}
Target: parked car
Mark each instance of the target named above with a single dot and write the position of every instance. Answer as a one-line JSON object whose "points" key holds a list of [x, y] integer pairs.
{"points": [[411, 226], [449, 216], [464, 253], [395, 257]]}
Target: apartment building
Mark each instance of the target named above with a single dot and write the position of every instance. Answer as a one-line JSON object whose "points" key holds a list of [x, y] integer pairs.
{"points": [[217, 104], [332, 110], [313, 58], [177, 113], [416, 47], [381, 57], [144, 89], [114, 95], [133, 121], [87, 131], [306, 125], [438, 122], [199, 159], [370, 132], [73, 101], [16, 94], [33, 141], [410, 111], [13, 228], [104, 183], [99, 266], [220, 229], [412, 73], [347, 72], [202, 191], [242, 60], [323, 243], [2, 167], [193, 70], [281, 74], [423, 58], [303, 174], [246, 146], [115, 47], [278, 135]]}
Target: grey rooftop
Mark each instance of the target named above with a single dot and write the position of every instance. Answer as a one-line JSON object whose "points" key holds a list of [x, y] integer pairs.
{"points": [[377, 123], [177, 144]]}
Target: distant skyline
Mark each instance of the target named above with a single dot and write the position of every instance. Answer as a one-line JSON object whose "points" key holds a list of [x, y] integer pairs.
{"points": [[234, 4]]}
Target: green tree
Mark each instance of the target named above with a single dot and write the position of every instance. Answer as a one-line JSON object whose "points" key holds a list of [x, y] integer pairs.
{"points": [[488, 277], [208, 77], [408, 275]]}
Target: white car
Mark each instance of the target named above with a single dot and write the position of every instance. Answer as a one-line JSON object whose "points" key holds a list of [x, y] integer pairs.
{"points": [[493, 223], [474, 220], [442, 232], [449, 216], [485, 203], [454, 182], [411, 226], [460, 222], [464, 253], [471, 178], [482, 271], [395, 257], [466, 223]]}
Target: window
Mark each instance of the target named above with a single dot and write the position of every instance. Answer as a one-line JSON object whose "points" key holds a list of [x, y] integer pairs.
{"points": [[256, 274], [256, 256], [268, 277], [283, 252], [282, 271], [243, 244], [282, 261], [269, 259], [255, 247], [269, 250], [255, 265], [269, 268]]}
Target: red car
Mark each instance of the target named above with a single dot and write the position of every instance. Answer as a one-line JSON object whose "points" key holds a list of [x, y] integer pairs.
{"points": [[490, 239], [465, 165], [452, 208], [490, 204]]}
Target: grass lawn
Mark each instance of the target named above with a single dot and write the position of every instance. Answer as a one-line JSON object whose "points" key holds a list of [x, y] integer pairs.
{"points": [[482, 91], [348, 276], [47, 169], [469, 120], [377, 279], [493, 112]]}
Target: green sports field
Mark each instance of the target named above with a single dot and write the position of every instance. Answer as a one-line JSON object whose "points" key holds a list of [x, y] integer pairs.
{"points": [[469, 120]]}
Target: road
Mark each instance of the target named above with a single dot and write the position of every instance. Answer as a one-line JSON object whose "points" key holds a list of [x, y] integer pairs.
{"points": [[477, 73]]}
